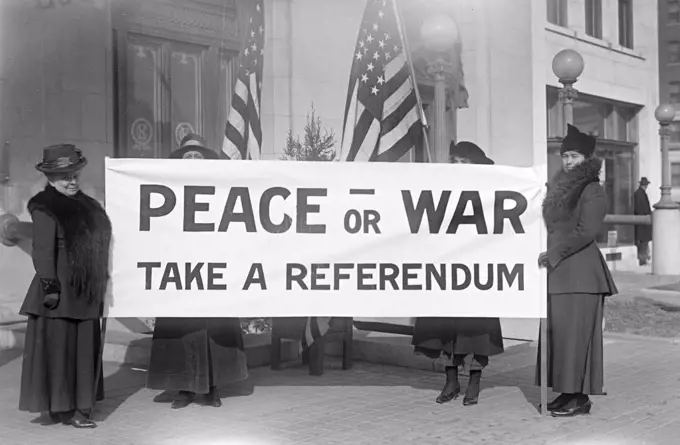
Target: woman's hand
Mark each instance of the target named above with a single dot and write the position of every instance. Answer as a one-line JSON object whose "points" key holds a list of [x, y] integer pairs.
{"points": [[543, 260], [51, 301]]}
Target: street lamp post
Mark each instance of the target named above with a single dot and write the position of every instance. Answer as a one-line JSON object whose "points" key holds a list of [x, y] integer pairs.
{"points": [[439, 33], [666, 215], [568, 65]]}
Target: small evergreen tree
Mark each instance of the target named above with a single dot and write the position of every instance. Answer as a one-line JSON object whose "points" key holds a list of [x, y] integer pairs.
{"points": [[316, 146]]}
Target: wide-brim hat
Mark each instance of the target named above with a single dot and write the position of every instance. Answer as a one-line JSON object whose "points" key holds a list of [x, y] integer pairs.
{"points": [[194, 153], [644, 181], [193, 146], [61, 158], [470, 151]]}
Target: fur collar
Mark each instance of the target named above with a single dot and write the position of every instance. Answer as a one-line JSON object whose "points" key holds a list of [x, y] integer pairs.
{"points": [[565, 189], [87, 238]]}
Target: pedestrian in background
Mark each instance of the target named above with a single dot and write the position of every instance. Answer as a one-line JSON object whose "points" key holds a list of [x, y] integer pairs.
{"points": [[460, 337], [643, 232], [578, 278], [71, 241]]}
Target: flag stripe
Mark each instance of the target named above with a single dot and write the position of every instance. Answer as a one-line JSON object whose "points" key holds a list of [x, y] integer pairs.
{"points": [[394, 120], [393, 102], [353, 109], [369, 143], [364, 123], [389, 140], [402, 146], [243, 130]]}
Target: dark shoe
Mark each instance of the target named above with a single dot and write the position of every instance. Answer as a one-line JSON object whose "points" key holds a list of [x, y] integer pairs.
{"points": [[451, 389], [81, 423], [573, 409], [183, 399], [559, 402], [213, 398], [472, 392]]}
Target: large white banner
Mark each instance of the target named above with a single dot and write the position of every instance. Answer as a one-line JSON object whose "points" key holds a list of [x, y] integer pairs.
{"points": [[278, 238]]}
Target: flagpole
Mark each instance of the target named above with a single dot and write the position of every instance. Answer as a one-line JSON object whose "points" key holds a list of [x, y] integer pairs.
{"points": [[407, 51]]}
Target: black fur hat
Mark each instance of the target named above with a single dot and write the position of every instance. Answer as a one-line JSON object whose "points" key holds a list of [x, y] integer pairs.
{"points": [[578, 142]]}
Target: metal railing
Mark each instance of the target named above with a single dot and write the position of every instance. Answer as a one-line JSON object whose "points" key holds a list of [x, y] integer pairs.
{"points": [[643, 220]]}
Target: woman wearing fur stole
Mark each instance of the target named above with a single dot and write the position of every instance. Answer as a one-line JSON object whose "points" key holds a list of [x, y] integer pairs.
{"points": [[71, 240], [463, 336], [578, 277]]}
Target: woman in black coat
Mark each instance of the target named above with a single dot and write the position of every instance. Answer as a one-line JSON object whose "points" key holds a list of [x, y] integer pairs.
{"points": [[196, 355], [578, 277], [462, 336], [71, 240]]}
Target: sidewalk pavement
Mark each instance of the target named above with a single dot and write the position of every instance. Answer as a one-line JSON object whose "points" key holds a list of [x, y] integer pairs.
{"points": [[376, 404], [634, 285]]}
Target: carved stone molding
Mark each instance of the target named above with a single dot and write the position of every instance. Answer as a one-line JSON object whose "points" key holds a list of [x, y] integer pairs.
{"points": [[568, 94], [215, 20]]}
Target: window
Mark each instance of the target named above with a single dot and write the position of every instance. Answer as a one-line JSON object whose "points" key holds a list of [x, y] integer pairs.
{"points": [[626, 23], [673, 12], [675, 174], [674, 52], [594, 18], [674, 94], [557, 12], [675, 132]]}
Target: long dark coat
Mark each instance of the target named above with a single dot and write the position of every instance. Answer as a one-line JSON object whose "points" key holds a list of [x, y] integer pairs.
{"points": [[195, 354], [643, 233], [578, 280], [433, 336], [71, 239]]}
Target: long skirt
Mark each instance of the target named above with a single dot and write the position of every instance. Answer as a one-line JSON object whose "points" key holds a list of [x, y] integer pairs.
{"points": [[195, 354], [433, 336], [59, 365], [575, 344]]}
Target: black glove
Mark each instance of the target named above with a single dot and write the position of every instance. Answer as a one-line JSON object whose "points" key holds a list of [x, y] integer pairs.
{"points": [[543, 260], [51, 301]]}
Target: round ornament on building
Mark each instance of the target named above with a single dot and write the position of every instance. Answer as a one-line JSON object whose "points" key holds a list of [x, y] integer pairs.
{"points": [[439, 32], [664, 113], [568, 65]]}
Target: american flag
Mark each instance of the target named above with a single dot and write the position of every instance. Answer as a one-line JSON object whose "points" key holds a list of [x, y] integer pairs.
{"points": [[243, 133], [382, 115]]}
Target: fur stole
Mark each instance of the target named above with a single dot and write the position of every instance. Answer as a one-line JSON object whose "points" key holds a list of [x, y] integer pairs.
{"points": [[565, 189], [87, 238]]}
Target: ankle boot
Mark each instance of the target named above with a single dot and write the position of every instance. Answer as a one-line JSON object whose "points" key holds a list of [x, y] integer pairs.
{"points": [[182, 400], [214, 398], [451, 389], [472, 392]]}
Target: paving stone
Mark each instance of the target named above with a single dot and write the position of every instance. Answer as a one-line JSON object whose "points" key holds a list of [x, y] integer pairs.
{"points": [[375, 404]]}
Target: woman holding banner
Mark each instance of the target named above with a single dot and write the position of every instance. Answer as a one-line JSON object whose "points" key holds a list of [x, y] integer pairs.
{"points": [[196, 355], [71, 240], [460, 337], [578, 277]]}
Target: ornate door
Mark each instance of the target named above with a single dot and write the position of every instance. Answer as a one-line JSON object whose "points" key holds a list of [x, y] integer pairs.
{"points": [[174, 70]]}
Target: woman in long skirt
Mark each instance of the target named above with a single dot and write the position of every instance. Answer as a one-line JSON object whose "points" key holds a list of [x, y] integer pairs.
{"points": [[71, 238], [196, 355], [460, 337], [578, 278]]}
